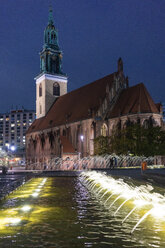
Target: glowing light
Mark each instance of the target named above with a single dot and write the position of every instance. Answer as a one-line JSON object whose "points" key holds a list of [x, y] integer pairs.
{"points": [[26, 208], [43, 182], [139, 203], [38, 190], [13, 221], [82, 137], [35, 194], [158, 211], [12, 148]]}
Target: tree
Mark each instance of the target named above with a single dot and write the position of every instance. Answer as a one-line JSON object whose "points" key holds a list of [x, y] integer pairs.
{"points": [[101, 145], [138, 140]]}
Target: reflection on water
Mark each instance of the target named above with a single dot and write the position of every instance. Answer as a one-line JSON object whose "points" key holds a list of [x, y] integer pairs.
{"points": [[64, 213]]}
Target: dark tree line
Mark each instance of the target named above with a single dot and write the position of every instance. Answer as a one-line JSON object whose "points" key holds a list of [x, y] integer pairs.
{"points": [[134, 139]]}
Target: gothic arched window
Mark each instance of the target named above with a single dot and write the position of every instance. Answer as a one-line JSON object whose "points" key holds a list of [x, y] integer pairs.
{"points": [[146, 123], [104, 130], [64, 132], [40, 90], [56, 89]]}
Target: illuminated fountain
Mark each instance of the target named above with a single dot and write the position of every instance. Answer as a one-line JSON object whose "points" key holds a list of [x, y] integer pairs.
{"points": [[94, 162], [17, 212], [110, 190], [67, 214]]}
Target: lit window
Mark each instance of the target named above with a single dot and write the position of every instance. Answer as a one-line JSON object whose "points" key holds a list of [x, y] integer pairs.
{"points": [[104, 130]]}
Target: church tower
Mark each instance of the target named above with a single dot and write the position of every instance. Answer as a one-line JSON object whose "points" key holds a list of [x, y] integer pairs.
{"points": [[51, 82]]}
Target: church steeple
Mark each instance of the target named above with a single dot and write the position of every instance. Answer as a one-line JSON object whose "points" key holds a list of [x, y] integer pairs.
{"points": [[51, 55], [51, 34], [51, 82], [50, 16]]}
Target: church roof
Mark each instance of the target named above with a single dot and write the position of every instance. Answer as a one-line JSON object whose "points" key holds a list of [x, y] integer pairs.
{"points": [[135, 99], [35, 125], [74, 106], [79, 104]]}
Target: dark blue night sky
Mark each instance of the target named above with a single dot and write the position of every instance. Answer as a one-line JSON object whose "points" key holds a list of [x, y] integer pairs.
{"points": [[93, 34]]}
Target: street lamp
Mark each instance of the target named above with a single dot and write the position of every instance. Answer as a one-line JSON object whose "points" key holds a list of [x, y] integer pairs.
{"points": [[12, 148], [82, 139]]}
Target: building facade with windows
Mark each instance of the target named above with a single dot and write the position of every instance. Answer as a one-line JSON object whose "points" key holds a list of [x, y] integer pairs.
{"points": [[67, 123], [13, 127]]}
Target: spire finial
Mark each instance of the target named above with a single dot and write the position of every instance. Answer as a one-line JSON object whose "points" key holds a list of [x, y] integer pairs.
{"points": [[50, 15]]}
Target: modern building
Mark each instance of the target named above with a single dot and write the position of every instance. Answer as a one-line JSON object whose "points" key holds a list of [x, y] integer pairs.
{"points": [[68, 123], [13, 127]]}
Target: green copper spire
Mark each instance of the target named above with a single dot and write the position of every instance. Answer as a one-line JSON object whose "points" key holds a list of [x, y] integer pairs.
{"points": [[50, 16], [51, 55], [50, 33]]}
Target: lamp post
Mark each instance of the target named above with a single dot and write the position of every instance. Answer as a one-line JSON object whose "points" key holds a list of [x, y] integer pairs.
{"points": [[12, 148], [82, 139]]}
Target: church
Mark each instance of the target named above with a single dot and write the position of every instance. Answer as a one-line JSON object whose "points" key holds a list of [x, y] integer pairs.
{"points": [[67, 123]]}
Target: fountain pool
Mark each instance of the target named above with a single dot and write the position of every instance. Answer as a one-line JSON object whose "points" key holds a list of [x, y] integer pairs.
{"points": [[73, 212]]}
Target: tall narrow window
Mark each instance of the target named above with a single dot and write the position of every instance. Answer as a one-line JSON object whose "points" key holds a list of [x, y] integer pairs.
{"points": [[104, 130], [40, 109], [53, 36], [56, 89], [40, 90], [48, 37]]}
